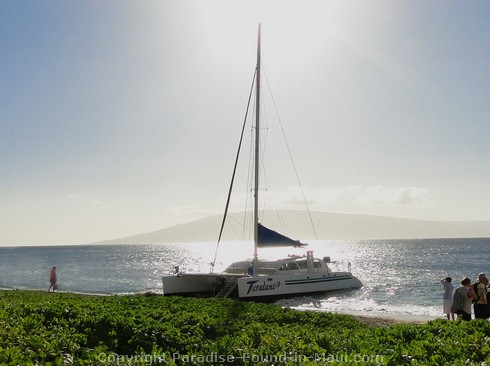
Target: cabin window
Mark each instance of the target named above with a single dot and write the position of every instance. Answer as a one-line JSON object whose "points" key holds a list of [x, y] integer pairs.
{"points": [[302, 264], [317, 264], [289, 266]]}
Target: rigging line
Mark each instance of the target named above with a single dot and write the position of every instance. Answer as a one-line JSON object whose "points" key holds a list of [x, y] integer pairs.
{"points": [[232, 220], [290, 156], [234, 172], [247, 218]]}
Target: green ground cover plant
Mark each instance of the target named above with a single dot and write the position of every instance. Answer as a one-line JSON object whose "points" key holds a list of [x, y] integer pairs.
{"points": [[37, 328]]}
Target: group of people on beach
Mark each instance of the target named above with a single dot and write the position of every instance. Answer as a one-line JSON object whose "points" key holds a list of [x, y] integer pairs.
{"points": [[461, 300]]}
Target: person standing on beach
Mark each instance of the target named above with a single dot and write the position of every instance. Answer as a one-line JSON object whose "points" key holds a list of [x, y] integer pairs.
{"points": [[52, 279], [481, 305], [466, 290], [448, 297]]}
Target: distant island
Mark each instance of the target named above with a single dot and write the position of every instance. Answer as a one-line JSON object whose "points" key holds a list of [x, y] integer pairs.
{"points": [[328, 226]]}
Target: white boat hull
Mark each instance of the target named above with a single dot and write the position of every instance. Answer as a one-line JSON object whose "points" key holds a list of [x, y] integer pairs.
{"points": [[259, 286], [276, 285]]}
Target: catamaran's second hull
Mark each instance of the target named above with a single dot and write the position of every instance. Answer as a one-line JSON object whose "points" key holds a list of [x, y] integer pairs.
{"points": [[192, 284], [287, 285]]}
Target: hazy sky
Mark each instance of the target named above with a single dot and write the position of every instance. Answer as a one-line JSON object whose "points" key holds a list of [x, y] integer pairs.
{"points": [[122, 117]]}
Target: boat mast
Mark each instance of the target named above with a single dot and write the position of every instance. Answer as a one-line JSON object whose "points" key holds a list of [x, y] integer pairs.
{"points": [[257, 148]]}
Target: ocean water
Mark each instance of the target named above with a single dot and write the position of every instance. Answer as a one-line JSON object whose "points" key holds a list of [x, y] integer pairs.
{"points": [[400, 277]]}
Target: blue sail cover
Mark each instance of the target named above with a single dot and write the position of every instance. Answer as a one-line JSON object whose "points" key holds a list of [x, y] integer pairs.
{"points": [[271, 238]]}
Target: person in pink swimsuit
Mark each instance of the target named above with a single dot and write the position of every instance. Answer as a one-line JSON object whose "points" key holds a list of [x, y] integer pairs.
{"points": [[52, 279]]}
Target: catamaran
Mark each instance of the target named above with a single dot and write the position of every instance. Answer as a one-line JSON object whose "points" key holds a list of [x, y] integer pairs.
{"points": [[257, 278]]}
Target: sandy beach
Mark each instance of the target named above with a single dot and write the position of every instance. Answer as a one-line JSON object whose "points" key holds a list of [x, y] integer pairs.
{"points": [[383, 319], [389, 319]]}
